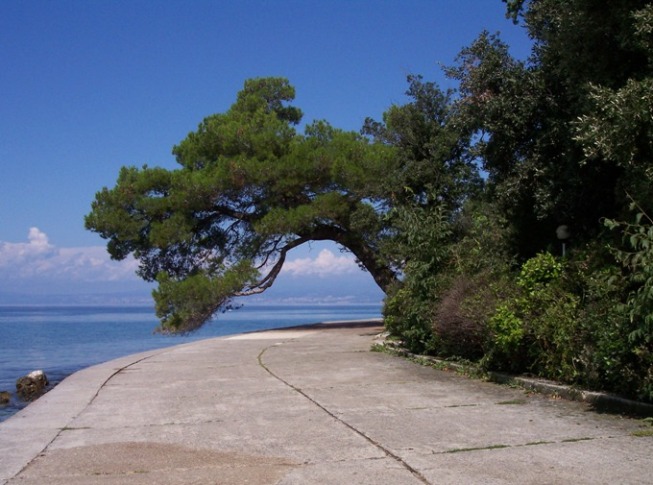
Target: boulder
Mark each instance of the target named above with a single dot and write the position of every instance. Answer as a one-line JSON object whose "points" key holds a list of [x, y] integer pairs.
{"points": [[32, 385], [5, 397]]}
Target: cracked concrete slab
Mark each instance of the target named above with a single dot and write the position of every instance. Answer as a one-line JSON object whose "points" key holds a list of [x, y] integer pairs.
{"points": [[310, 405]]}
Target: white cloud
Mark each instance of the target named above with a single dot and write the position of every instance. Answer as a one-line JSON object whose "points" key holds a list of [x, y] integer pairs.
{"points": [[325, 264], [37, 258], [37, 246], [38, 263]]}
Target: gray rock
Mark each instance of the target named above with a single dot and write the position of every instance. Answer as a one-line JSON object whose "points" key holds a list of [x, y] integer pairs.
{"points": [[32, 385]]}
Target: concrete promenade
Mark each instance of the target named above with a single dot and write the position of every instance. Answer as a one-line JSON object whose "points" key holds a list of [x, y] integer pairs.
{"points": [[308, 406]]}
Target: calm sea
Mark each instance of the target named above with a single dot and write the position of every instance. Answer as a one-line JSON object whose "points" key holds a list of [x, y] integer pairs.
{"points": [[63, 340]]}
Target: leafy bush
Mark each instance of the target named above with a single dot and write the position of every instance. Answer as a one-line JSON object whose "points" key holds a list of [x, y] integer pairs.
{"points": [[586, 319], [507, 335], [482, 242], [535, 330], [555, 337], [637, 263], [453, 264], [424, 240], [473, 281], [537, 272], [405, 318]]}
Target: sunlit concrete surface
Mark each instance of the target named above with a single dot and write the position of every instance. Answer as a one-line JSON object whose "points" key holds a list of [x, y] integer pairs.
{"points": [[309, 405]]}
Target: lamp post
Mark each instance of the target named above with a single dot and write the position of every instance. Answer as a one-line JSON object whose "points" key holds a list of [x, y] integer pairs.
{"points": [[562, 232]]}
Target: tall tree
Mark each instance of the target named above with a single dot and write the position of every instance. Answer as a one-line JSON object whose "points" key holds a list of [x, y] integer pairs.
{"points": [[618, 126], [526, 113], [249, 189], [434, 163]]}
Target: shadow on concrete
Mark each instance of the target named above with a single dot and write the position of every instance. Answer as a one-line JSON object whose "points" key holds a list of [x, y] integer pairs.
{"points": [[339, 325]]}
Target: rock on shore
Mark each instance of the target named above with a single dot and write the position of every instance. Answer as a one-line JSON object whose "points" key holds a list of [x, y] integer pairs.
{"points": [[32, 385]]}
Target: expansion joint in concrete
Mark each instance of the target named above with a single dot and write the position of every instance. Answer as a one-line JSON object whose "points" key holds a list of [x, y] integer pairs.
{"points": [[93, 398], [360, 433]]}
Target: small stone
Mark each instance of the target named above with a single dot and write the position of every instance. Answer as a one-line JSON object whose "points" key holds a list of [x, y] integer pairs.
{"points": [[32, 385], [5, 397]]}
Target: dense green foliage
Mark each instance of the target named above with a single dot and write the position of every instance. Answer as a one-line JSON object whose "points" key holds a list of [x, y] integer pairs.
{"points": [[453, 202], [566, 138], [548, 129]]}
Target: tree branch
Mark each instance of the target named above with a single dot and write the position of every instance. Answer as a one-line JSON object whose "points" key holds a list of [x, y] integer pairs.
{"points": [[269, 279]]}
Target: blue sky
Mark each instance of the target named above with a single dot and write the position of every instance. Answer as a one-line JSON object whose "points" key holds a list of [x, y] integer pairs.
{"points": [[89, 86]]}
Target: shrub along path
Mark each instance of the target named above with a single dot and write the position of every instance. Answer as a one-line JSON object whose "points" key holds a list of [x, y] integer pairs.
{"points": [[309, 405]]}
